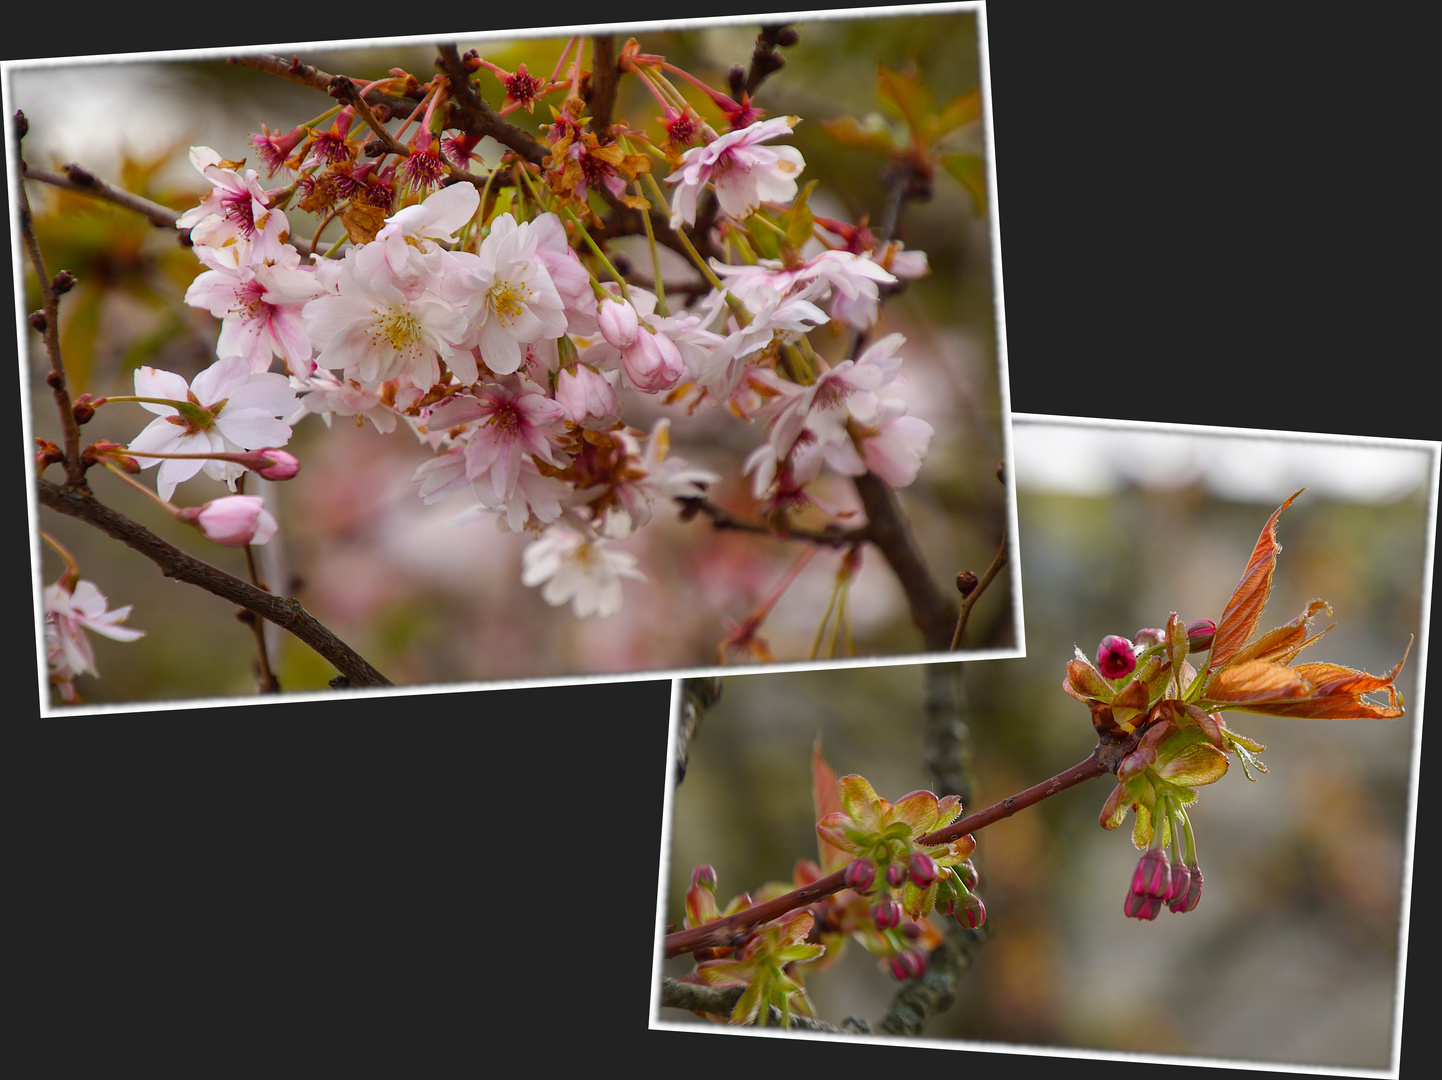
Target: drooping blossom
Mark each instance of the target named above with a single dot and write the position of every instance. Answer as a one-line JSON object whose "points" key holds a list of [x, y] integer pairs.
{"points": [[579, 568], [743, 173], [228, 407], [69, 613]]}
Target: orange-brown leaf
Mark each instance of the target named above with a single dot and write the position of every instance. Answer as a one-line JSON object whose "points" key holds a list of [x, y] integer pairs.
{"points": [[1244, 609]]}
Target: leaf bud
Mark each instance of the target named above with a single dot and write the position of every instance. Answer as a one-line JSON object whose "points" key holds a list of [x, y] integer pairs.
{"points": [[1115, 657]]}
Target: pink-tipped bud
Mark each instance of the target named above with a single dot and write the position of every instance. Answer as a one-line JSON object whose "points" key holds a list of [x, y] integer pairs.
{"points": [[859, 875], [895, 874], [1200, 634], [967, 875], [1185, 901], [1149, 636], [972, 912], [704, 876], [908, 965], [1115, 657], [1153, 876], [235, 520], [922, 869], [886, 914], [284, 465], [618, 322], [1142, 907]]}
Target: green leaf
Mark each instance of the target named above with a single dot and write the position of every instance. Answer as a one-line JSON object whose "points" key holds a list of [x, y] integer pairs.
{"points": [[969, 170]]}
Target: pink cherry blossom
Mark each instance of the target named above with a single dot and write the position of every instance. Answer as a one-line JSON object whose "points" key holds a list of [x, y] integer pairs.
{"points": [[506, 421], [235, 218], [743, 173], [260, 307], [68, 614], [582, 569], [242, 409]]}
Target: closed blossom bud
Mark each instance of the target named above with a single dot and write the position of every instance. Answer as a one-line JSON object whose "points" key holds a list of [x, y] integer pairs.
{"points": [[1142, 907], [1153, 876], [1200, 634], [859, 874], [83, 408], [966, 873], [922, 869], [895, 874], [908, 965], [1148, 636], [1115, 657], [652, 363], [886, 914], [284, 464], [704, 876], [1181, 902], [618, 322], [971, 913], [235, 520]]}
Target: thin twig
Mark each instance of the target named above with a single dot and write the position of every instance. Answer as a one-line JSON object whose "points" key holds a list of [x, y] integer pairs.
{"points": [[969, 600], [80, 179], [174, 563], [722, 520]]}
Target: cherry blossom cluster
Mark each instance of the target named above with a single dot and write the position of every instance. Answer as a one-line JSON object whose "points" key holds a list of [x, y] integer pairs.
{"points": [[499, 333]]}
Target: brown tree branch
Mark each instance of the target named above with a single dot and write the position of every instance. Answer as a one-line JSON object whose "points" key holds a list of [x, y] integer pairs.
{"points": [[471, 114], [285, 612]]}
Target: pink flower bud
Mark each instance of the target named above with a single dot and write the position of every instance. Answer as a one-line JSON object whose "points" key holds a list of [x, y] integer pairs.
{"points": [[895, 874], [1200, 634], [1142, 907], [859, 874], [653, 363], [886, 914], [1181, 902], [1148, 636], [235, 520], [972, 913], [704, 876], [1115, 657], [583, 391], [908, 965], [1153, 876], [967, 875], [618, 322], [922, 869], [284, 464]]}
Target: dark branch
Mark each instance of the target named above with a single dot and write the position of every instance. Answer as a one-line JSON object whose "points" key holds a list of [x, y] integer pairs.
{"points": [[174, 563]]}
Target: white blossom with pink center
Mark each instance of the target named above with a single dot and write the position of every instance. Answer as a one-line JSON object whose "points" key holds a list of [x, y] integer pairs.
{"points": [[234, 219], [580, 568], [68, 614], [260, 306], [743, 173], [238, 409]]}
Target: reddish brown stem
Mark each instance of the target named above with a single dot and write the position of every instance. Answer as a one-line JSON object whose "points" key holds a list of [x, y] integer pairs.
{"points": [[726, 931]]}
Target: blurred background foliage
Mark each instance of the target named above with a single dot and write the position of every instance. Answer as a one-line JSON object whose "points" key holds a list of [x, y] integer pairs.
{"points": [[428, 603], [1291, 956]]}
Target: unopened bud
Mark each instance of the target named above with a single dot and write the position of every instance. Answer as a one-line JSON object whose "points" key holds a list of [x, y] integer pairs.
{"points": [[1148, 636], [971, 913], [886, 914], [1200, 634], [1142, 907], [895, 874], [1181, 902], [1115, 657], [38, 322], [283, 466], [704, 876], [922, 869], [967, 875], [1153, 876], [859, 874], [966, 583], [63, 282], [84, 408], [908, 965]]}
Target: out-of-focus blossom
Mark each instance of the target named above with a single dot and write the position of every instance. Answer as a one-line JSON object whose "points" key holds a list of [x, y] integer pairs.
{"points": [[570, 566], [69, 613]]}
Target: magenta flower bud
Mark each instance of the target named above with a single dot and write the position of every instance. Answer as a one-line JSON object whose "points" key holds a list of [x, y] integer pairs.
{"points": [[1153, 876], [967, 875], [1180, 902], [235, 520], [922, 869], [284, 464], [1142, 907], [908, 965], [704, 876], [859, 874], [972, 912], [895, 874], [1148, 636], [886, 914], [1115, 657], [1200, 634]]}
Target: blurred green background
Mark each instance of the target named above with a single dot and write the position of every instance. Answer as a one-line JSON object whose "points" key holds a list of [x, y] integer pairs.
{"points": [[427, 603], [1291, 956]]}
